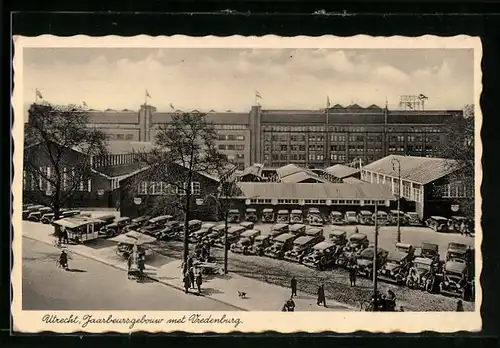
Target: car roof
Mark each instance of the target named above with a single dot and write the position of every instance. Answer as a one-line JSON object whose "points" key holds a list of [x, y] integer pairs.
{"points": [[423, 260], [369, 252], [457, 246], [297, 226], [303, 240], [268, 210], [162, 217], [403, 245], [323, 245], [282, 211], [297, 211], [250, 233], [454, 266], [439, 218], [235, 229], [284, 237], [280, 226], [313, 209], [338, 233], [397, 255], [335, 213], [313, 230], [234, 211], [430, 246], [262, 237], [251, 210], [246, 223], [365, 212], [358, 236]]}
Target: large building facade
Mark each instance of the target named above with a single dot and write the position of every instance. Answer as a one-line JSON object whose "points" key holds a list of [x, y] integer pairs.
{"points": [[307, 138]]}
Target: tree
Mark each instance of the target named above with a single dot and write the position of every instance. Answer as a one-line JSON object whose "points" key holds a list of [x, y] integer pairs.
{"points": [[459, 146], [185, 146], [52, 134]]}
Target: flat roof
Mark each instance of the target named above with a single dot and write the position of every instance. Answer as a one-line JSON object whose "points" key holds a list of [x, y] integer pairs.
{"points": [[422, 170], [316, 191], [341, 171]]}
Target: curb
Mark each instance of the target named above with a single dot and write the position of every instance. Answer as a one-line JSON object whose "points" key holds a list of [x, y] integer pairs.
{"points": [[121, 268]]}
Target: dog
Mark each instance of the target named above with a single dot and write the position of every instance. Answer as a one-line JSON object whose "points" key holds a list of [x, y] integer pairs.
{"points": [[242, 294]]}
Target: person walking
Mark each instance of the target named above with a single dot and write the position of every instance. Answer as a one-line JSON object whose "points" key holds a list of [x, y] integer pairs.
{"points": [[460, 306], [191, 276], [293, 285], [199, 281], [321, 295], [352, 274], [187, 282]]}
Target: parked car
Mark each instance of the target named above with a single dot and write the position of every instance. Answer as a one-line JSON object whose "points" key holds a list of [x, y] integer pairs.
{"points": [[30, 209], [315, 232], [233, 215], [267, 215], [301, 247], [245, 242], [382, 217], [457, 251], [116, 227], [364, 261], [279, 229], [194, 225], [251, 215], [247, 225], [296, 216], [456, 222], [336, 218], [259, 245], [36, 215], [338, 237], [171, 230], [314, 217], [208, 226], [357, 242], [396, 268], [155, 224], [214, 235], [437, 223], [281, 244], [422, 274], [428, 250], [351, 218], [297, 229], [365, 217], [393, 217], [199, 235], [406, 248], [321, 256], [413, 219], [455, 280], [283, 216], [70, 213], [137, 223], [47, 218]]}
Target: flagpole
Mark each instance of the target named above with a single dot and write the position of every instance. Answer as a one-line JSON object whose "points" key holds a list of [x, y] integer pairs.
{"points": [[328, 155]]}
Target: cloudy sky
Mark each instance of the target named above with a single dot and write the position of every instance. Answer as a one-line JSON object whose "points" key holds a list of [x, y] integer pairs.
{"points": [[223, 79]]}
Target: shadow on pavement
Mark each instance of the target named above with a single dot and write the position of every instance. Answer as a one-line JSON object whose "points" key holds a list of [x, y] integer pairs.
{"points": [[76, 270], [210, 291], [99, 243]]}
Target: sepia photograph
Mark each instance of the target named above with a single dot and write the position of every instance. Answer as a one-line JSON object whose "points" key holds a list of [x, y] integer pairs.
{"points": [[331, 177]]}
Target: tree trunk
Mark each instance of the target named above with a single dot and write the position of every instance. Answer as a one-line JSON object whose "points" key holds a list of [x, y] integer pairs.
{"points": [[186, 232], [225, 241]]}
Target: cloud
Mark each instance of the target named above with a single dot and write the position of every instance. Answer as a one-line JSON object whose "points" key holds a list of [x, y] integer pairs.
{"points": [[226, 79]]}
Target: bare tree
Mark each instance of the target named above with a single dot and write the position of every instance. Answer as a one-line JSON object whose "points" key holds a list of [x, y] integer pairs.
{"points": [[459, 146], [185, 146], [52, 135]]}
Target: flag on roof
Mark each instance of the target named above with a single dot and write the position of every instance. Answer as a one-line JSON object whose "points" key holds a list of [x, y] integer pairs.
{"points": [[327, 101], [257, 95], [422, 97], [147, 94], [38, 94], [172, 106]]}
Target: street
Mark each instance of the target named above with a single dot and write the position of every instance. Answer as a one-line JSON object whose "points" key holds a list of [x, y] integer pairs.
{"points": [[91, 285]]}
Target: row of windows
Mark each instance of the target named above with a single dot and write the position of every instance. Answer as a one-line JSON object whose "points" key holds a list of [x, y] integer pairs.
{"points": [[163, 188], [238, 156], [38, 182], [391, 129], [352, 138], [112, 160], [231, 147], [316, 201], [231, 137], [351, 148], [455, 190], [118, 136], [230, 126]]}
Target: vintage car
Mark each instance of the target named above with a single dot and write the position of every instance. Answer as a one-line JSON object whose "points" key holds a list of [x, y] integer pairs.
{"points": [[155, 224], [297, 229], [396, 268], [137, 223], [357, 242], [36, 216], [365, 217], [413, 219], [33, 208], [406, 248], [251, 215], [457, 251], [208, 226], [296, 216], [351, 218], [315, 231], [382, 217], [454, 280], [338, 237], [70, 213], [171, 230], [233, 215], [267, 215], [194, 225], [364, 261], [322, 255], [301, 247], [421, 274], [283, 216], [116, 227], [47, 218], [233, 234], [245, 242], [279, 229], [247, 224], [456, 222], [428, 250], [437, 223], [26, 206], [336, 218], [314, 217], [280, 246], [393, 217], [259, 245], [199, 235]]}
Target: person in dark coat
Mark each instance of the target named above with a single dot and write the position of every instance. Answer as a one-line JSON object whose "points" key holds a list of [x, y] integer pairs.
{"points": [[190, 262], [191, 277], [460, 306], [321, 295], [352, 273], [293, 285], [199, 281], [290, 305], [187, 282]]}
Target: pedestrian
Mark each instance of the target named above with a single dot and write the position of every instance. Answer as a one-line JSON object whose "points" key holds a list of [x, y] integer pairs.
{"points": [[352, 274], [290, 305], [191, 276], [186, 283], [401, 309], [199, 281], [190, 262], [117, 205], [321, 295], [293, 285], [460, 306]]}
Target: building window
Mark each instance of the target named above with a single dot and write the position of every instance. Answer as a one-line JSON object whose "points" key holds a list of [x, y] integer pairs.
{"points": [[240, 147], [240, 137], [222, 137], [195, 188], [222, 147], [129, 137]]}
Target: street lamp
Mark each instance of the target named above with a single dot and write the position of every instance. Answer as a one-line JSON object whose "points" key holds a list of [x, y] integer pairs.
{"points": [[375, 255], [398, 162]]}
